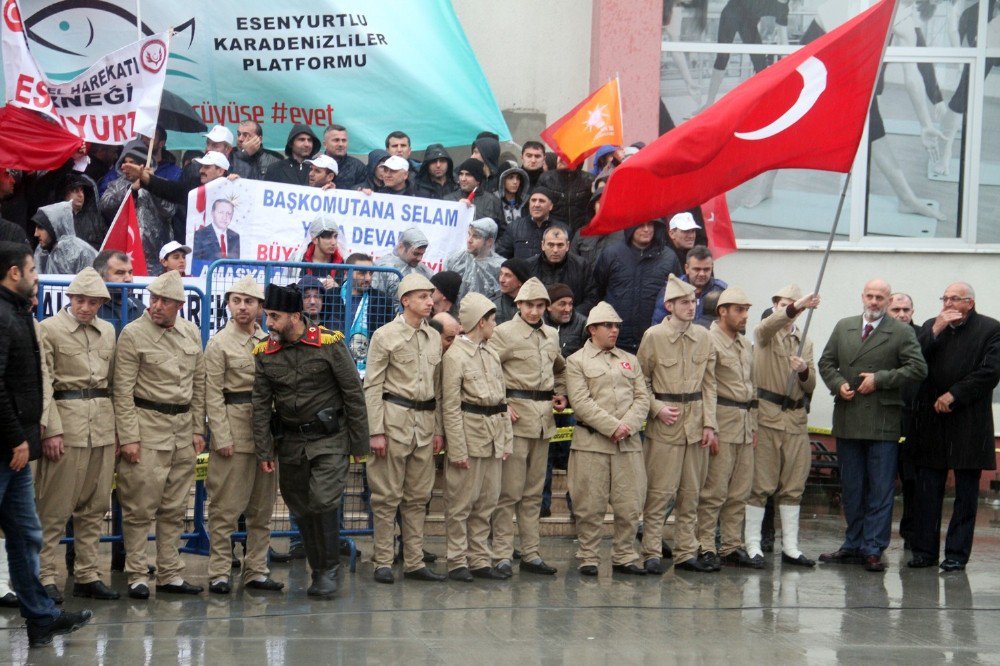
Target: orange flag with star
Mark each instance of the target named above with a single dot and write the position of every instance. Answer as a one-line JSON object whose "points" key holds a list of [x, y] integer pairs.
{"points": [[594, 122]]}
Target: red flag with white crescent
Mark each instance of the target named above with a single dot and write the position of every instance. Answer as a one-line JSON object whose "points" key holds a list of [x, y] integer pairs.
{"points": [[807, 111], [124, 235]]}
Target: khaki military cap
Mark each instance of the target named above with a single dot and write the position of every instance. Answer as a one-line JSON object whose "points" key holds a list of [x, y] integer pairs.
{"points": [[792, 292], [733, 296], [474, 307], [413, 282], [677, 289], [88, 282], [532, 290], [603, 313], [247, 286], [168, 285]]}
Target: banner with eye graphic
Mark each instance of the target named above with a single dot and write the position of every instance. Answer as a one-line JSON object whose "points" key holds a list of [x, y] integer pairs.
{"points": [[110, 102], [373, 67]]}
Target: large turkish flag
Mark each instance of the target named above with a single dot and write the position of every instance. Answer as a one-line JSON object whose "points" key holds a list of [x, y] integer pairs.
{"points": [[806, 111]]}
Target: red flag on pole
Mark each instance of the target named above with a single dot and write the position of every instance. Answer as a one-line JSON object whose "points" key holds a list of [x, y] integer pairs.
{"points": [[124, 235], [807, 111], [29, 142], [594, 122], [718, 226]]}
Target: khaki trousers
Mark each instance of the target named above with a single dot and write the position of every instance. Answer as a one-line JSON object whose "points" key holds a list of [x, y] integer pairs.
{"points": [[155, 488], [781, 462], [470, 497], [402, 480], [673, 473], [595, 479], [77, 485], [521, 484], [723, 498], [236, 485]]}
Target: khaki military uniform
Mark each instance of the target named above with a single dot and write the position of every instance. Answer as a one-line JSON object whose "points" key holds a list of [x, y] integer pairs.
{"points": [[235, 484], [531, 362], [159, 398], [295, 381], [606, 388], [781, 461], [473, 385], [79, 358], [730, 472], [679, 366], [403, 367]]}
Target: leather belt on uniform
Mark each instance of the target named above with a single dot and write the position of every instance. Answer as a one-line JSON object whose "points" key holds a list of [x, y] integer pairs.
{"points": [[237, 397], [726, 402], [162, 407], [783, 401], [678, 397], [419, 405], [529, 395], [484, 410], [81, 394], [311, 429]]}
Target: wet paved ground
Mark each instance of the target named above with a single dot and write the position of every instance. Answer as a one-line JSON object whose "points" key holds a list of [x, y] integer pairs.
{"points": [[775, 616]]}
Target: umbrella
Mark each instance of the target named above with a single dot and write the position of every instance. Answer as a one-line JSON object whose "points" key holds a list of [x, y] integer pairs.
{"points": [[177, 115]]}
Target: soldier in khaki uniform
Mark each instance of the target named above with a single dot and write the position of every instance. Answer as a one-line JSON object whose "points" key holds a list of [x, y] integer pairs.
{"points": [[75, 474], [781, 460], [159, 398], [678, 362], [479, 437], [730, 471], [306, 379], [402, 392], [608, 392], [534, 373], [235, 484]]}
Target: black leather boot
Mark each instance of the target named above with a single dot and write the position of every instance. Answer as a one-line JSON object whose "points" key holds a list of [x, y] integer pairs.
{"points": [[325, 583]]}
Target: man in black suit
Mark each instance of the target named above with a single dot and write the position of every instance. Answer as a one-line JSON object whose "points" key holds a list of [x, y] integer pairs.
{"points": [[217, 240]]}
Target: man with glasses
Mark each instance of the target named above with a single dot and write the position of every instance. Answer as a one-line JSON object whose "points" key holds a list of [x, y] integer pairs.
{"points": [[953, 424]]}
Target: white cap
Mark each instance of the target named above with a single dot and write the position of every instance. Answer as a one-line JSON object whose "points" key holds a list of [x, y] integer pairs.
{"points": [[684, 222], [324, 161], [173, 246], [396, 163], [213, 158], [220, 134]]}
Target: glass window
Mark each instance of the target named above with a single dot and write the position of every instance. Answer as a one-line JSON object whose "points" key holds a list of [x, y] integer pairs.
{"points": [[989, 164]]}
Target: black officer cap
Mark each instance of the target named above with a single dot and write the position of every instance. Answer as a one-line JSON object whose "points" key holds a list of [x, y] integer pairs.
{"points": [[283, 299]]}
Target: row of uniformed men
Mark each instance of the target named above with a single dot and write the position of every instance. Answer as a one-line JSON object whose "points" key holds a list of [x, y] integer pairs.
{"points": [[491, 401]]}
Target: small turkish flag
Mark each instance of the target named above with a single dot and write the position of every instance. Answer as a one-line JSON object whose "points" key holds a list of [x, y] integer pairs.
{"points": [[124, 235], [807, 111], [594, 122], [718, 226]]}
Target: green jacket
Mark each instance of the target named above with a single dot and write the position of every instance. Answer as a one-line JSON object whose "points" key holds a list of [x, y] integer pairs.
{"points": [[299, 379], [893, 354]]}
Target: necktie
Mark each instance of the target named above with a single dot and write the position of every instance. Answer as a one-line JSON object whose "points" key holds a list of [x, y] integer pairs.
{"points": [[868, 331], [222, 246]]}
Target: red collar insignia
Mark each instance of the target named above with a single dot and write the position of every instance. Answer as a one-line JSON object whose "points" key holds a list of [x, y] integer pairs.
{"points": [[626, 365], [312, 337], [273, 346]]}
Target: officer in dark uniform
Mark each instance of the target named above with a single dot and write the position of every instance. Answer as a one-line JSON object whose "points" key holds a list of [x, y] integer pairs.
{"points": [[308, 405]]}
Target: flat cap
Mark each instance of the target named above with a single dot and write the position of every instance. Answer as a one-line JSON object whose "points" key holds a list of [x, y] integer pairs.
{"points": [[88, 283], [413, 282], [474, 307], [532, 290], [603, 313], [791, 291], [246, 286], [677, 288], [733, 296], [168, 285]]}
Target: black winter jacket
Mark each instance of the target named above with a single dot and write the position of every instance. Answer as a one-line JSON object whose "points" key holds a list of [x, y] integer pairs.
{"points": [[21, 371]]}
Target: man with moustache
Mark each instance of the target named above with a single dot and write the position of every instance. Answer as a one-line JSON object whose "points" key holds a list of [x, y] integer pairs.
{"points": [[309, 414], [77, 468], [235, 484], [159, 399]]}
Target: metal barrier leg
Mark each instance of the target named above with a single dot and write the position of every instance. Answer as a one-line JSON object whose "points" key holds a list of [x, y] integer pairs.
{"points": [[197, 541], [118, 547]]}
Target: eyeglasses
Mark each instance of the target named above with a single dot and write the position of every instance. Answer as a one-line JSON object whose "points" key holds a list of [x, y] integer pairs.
{"points": [[955, 299]]}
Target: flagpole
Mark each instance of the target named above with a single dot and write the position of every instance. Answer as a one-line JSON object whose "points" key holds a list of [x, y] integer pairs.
{"points": [[152, 139], [111, 228], [621, 113], [138, 19], [840, 205]]}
